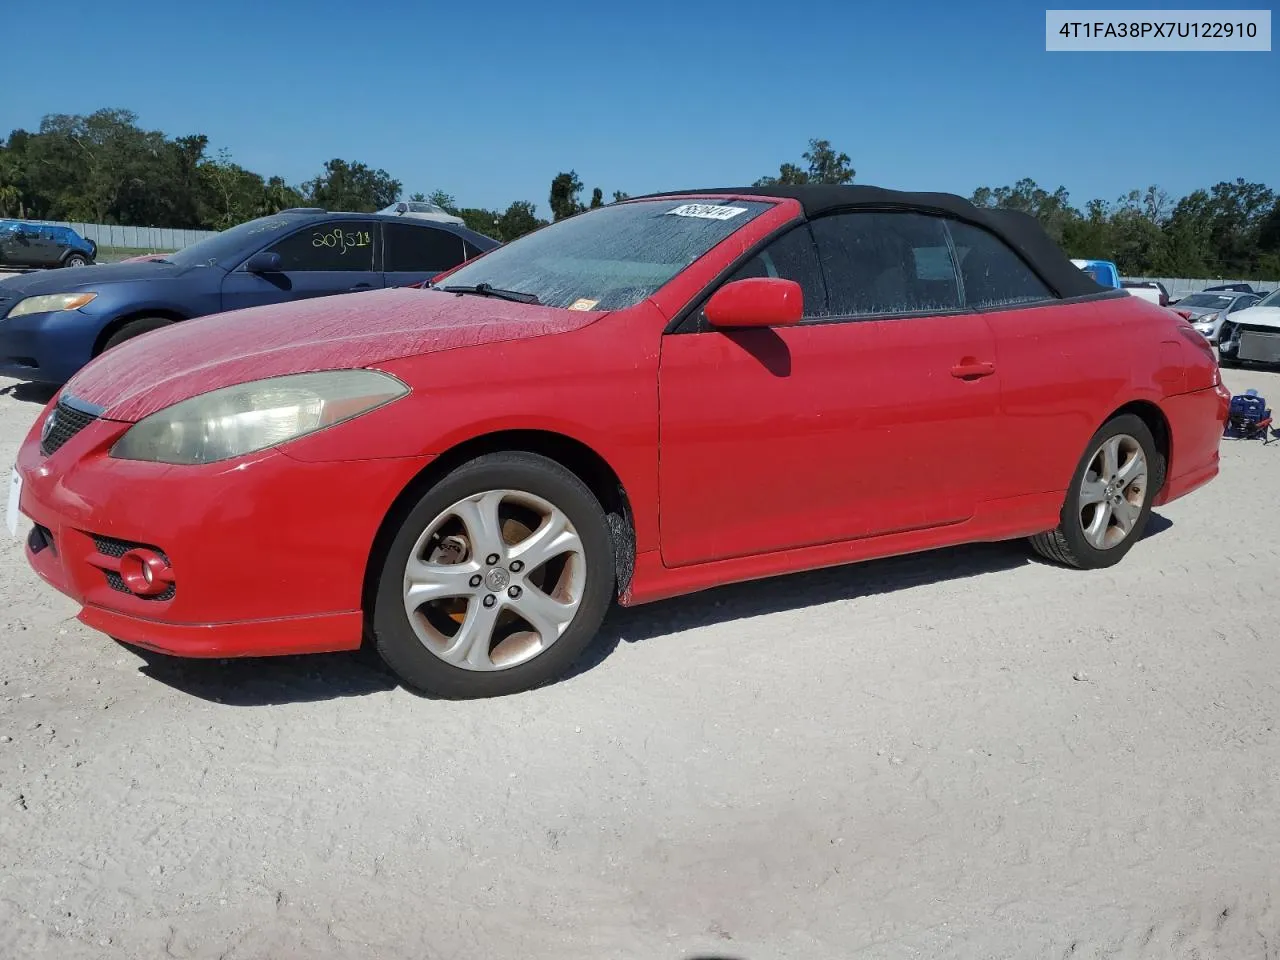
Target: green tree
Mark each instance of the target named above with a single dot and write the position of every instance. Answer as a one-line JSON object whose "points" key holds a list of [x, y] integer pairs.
{"points": [[353, 187], [619, 196], [480, 220], [823, 165], [1053, 210], [597, 198], [517, 220], [565, 189]]}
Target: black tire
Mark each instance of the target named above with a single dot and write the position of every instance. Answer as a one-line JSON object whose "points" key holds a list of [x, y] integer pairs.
{"points": [[1066, 544], [134, 328], [1228, 363], [395, 638], [76, 260]]}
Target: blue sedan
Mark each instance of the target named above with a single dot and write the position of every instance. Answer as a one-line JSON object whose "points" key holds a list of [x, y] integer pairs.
{"points": [[52, 324]]}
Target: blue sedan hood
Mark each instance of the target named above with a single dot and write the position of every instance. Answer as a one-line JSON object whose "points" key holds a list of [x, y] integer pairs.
{"points": [[68, 280]]}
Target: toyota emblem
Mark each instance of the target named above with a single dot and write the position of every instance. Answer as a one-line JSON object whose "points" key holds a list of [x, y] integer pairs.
{"points": [[49, 424]]}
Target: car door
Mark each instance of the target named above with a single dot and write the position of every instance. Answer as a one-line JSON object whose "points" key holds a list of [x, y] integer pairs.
{"points": [[874, 415], [30, 248], [1060, 363], [323, 258], [413, 251], [49, 245]]}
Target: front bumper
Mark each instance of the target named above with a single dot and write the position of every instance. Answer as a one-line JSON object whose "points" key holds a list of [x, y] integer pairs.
{"points": [[47, 347], [268, 554]]}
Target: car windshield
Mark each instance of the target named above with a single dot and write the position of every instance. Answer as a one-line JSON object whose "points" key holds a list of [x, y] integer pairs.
{"points": [[609, 258], [1270, 300], [229, 245], [1214, 300]]}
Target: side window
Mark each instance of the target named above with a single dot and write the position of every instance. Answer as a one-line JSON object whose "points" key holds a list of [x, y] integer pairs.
{"points": [[993, 274], [882, 264], [792, 256], [419, 249], [335, 245], [472, 251]]}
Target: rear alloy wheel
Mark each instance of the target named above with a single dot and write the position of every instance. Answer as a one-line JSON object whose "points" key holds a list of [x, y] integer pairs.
{"points": [[75, 260], [497, 581], [1109, 501]]}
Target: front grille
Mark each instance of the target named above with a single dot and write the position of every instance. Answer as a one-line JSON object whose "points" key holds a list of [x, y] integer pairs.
{"points": [[116, 582], [67, 422], [1259, 345], [111, 547]]}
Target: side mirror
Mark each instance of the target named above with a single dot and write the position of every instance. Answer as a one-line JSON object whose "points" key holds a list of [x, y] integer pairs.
{"points": [[757, 302], [402, 207], [263, 262]]}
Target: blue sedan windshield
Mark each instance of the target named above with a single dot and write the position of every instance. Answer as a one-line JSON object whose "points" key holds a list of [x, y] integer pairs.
{"points": [[228, 248]]}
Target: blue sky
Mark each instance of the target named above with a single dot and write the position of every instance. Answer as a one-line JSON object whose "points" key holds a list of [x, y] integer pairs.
{"points": [[489, 100]]}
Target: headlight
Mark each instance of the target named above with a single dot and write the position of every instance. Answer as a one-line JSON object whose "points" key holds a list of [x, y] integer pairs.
{"points": [[52, 302], [253, 416]]}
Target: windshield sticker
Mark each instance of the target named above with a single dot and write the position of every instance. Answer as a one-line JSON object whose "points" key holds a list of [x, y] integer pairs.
{"points": [[582, 303], [706, 211]]}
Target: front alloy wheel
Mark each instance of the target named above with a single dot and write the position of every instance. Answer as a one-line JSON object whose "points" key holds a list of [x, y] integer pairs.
{"points": [[497, 579], [494, 580]]}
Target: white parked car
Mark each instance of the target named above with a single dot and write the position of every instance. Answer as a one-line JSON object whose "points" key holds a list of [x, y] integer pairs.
{"points": [[421, 210], [1252, 335]]}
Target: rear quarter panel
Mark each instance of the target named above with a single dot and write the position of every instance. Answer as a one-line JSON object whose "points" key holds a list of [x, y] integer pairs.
{"points": [[1064, 369]]}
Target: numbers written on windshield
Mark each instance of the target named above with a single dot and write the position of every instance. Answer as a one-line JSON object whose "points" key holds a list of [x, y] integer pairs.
{"points": [[341, 240], [268, 227]]}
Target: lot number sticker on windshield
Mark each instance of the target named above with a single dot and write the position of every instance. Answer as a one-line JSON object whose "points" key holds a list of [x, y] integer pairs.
{"points": [[707, 211]]}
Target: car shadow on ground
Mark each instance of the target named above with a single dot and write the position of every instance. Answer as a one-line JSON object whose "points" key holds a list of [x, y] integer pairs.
{"points": [[37, 393], [275, 680], [798, 590]]}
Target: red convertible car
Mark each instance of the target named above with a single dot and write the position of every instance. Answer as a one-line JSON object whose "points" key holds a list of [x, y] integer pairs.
{"points": [[647, 399]]}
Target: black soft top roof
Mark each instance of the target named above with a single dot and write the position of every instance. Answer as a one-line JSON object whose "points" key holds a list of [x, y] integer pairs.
{"points": [[1019, 230]]}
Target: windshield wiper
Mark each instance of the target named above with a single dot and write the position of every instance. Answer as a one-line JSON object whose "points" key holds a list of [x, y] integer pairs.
{"points": [[486, 290]]}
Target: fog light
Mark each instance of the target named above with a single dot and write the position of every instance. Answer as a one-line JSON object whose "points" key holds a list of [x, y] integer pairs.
{"points": [[145, 572]]}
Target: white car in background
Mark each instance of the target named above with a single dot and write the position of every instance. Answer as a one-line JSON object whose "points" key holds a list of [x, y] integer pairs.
{"points": [[1251, 335], [421, 210]]}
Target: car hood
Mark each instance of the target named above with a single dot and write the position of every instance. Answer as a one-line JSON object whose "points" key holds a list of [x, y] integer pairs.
{"points": [[341, 332], [85, 278], [1257, 317], [1197, 312]]}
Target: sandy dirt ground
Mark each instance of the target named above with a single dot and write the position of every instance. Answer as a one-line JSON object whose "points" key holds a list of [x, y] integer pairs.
{"points": [[964, 754]]}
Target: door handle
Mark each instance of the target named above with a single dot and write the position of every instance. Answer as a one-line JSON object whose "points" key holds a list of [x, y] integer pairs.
{"points": [[973, 370], [363, 286]]}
